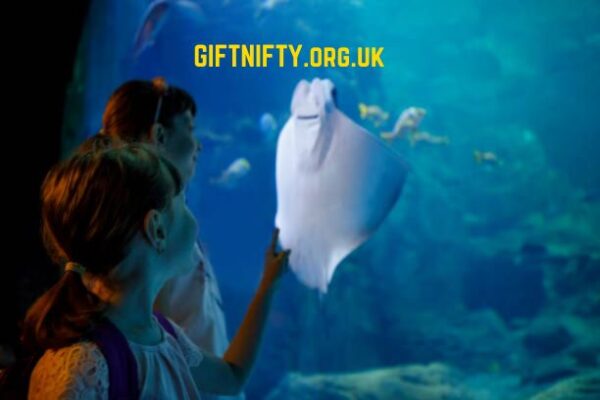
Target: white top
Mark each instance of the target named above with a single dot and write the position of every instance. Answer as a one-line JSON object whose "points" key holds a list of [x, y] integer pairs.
{"points": [[194, 302], [80, 371]]}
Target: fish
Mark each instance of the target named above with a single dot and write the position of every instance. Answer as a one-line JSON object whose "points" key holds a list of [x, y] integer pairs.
{"points": [[486, 157], [216, 137], [268, 126], [266, 6], [408, 121], [373, 113], [185, 14], [427, 137], [231, 176]]}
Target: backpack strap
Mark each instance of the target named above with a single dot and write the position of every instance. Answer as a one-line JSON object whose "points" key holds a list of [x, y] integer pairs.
{"points": [[122, 367], [166, 324]]}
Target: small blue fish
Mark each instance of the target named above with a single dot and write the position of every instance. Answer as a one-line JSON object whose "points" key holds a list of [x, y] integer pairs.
{"points": [[268, 126]]}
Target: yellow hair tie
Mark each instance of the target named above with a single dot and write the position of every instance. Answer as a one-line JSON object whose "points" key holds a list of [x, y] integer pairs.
{"points": [[73, 266]]}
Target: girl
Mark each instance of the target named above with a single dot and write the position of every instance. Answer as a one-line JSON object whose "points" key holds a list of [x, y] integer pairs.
{"points": [[162, 117], [116, 218]]}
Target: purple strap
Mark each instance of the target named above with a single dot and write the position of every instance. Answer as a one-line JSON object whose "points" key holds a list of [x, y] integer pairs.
{"points": [[166, 324], [122, 367]]}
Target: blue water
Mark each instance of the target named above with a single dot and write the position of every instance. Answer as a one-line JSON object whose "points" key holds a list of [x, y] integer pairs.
{"points": [[491, 272]]}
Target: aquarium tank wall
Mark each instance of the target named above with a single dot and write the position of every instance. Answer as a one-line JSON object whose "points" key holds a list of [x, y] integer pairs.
{"points": [[482, 279]]}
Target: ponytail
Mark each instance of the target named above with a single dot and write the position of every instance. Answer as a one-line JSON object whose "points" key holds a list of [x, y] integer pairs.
{"points": [[62, 315], [93, 204]]}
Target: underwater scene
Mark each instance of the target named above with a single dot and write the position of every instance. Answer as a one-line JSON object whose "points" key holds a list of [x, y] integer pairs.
{"points": [[476, 272]]}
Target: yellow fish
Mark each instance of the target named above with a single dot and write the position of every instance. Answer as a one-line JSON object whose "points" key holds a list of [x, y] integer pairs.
{"points": [[231, 176], [486, 157], [373, 113]]}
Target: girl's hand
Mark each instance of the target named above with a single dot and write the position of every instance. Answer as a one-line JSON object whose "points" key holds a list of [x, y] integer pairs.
{"points": [[275, 262]]}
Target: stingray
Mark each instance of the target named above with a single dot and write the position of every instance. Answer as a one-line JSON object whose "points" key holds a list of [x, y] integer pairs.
{"points": [[184, 17], [336, 183]]}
